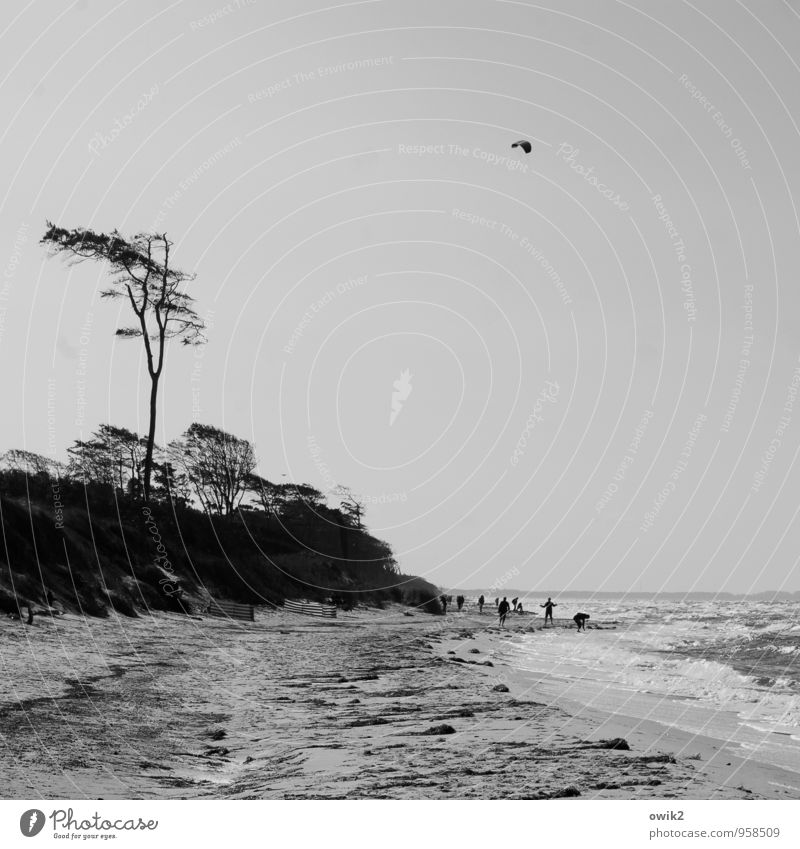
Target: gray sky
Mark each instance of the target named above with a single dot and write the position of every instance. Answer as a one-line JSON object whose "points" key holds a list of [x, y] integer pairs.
{"points": [[601, 336]]}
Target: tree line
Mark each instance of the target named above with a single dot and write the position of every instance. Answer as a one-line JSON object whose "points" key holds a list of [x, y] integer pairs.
{"points": [[205, 465]]}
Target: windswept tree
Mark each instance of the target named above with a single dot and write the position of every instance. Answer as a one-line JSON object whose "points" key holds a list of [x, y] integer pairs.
{"points": [[217, 464], [18, 460], [302, 494], [170, 484], [127, 451], [114, 456], [90, 462], [142, 275], [266, 494], [290, 501], [350, 506]]}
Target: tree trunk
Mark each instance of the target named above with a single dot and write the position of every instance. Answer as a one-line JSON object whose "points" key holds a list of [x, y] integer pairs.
{"points": [[151, 435]]}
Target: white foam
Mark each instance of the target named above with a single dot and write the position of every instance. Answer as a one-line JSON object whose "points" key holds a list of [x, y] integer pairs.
{"points": [[644, 656]]}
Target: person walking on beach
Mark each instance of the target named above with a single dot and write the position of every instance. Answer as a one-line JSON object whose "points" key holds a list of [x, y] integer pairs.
{"points": [[548, 610], [481, 602], [580, 620], [503, 611], [444, 603]]}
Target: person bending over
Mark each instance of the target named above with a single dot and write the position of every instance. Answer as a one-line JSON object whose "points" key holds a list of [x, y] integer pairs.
{"points": [[580, 620]]}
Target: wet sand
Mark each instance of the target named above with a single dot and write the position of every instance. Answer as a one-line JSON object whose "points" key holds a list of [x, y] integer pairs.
{"points": [[371, 705]]}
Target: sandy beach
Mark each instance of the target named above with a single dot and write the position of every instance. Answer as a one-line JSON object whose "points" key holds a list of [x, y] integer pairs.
{"points": [[375, 704]]}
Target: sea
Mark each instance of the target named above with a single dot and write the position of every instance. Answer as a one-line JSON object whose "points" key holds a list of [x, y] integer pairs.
{"points": [[729, 670]]}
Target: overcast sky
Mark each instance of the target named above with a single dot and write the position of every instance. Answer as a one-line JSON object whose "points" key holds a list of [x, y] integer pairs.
{"points": [[602, 338]]}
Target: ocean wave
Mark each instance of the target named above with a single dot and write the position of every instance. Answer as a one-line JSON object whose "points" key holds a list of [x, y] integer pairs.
{"points": [[736, 658]]}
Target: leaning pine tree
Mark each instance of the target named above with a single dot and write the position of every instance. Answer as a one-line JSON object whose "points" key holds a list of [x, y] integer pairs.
{"points": [[141, 275]]}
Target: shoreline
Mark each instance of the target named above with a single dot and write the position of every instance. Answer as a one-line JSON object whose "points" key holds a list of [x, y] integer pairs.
{"points": [[369, 705], [722, 766]]}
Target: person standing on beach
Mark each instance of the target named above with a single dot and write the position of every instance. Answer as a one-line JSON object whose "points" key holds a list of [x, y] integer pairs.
{"points": [[503, 609], [580, 620], [444, 604], [548, 610], [460, 601], [481, 602], [514, 602], [497, 602]]}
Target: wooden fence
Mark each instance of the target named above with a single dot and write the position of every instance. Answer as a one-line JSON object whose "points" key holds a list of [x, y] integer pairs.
{"points": [[231, 610], [310, 608]]}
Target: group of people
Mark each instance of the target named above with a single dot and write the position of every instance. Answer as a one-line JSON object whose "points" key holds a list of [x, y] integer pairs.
{"points": [[448, 599], [516, 604], [505, 607]]}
